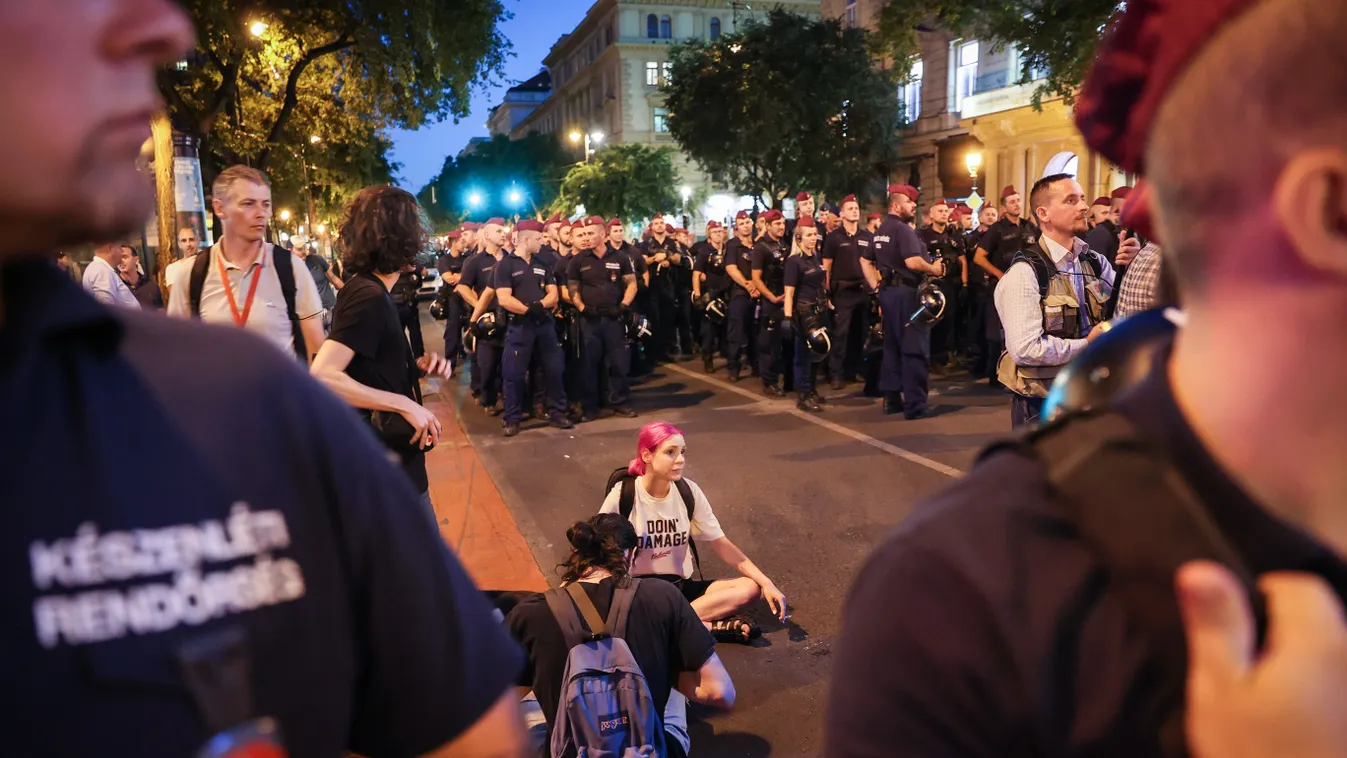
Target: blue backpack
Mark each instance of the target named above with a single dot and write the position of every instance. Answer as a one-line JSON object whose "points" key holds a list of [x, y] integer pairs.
{"points": [[605, 709]]}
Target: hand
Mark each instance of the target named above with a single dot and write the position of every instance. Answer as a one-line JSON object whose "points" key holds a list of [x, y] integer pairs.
{"points": [[661, 257], [1127, 249], [432, 364], [1099, 330], [1284, 701], [423, 421], [775, 600]]}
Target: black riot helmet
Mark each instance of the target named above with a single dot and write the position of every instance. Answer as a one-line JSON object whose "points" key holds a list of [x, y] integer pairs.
{"points": [[488, 327], [930, 305], [716, 311], [815, 333], [1114, 362], [637, 327], [437, 311], [874, 339]]}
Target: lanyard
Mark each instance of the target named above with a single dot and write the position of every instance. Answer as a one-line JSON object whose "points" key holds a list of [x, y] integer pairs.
{"points": [[241, 320]]}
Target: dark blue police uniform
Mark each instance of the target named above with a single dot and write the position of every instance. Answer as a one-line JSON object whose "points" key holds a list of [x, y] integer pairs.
{"points": [[907, 347], [275, 522], [528, 336], [769, 257], [666, 318], [478, 275], [809, 279], [599, 280], [850, 297], [452, 305], [710, 262], [739, 326]]}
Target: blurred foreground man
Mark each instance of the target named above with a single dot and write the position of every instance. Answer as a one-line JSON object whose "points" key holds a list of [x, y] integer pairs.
{"points": [[273, 582], [1029, 610]]}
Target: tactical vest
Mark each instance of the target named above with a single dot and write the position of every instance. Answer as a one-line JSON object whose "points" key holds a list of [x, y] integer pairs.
{"points": [[1061, 314]]}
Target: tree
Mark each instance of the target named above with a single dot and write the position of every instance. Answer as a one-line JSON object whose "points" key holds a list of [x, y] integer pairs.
{"points": [[625, 180], [1058, 37], [532, 166], [789, 104]]}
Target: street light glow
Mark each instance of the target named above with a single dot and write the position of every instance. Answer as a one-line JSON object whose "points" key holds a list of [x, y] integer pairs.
{"points": [[285, 215], [576, 136], [515, 197], [596, 137], [686, 192], [315, 139], [973, 161], [258, 28], [321, 228], [475, 199]]}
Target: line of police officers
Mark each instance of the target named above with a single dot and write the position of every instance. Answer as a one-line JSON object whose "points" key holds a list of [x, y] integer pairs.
{"points": [[563, 321]]}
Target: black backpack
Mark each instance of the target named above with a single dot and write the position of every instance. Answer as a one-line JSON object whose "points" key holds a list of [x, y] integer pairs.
{"points": [[286, 275], [1143, 524], [627, 501]]}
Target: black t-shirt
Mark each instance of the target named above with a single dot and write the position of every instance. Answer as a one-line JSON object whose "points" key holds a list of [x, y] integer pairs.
{"points": [[769, 257], [984, 626], [977, 276], [1004, 239], [527, 280], [665, 276], [845, 250], [711, 262], [366, 320], [275, 513], [1103, 239], [740, 256], [946, 246], [600, 280], [807, 277], [665, 636]]}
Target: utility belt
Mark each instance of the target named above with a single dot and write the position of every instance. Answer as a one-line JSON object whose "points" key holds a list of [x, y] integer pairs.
{"points": [[897, 279], [597, 312], [858, 285]]}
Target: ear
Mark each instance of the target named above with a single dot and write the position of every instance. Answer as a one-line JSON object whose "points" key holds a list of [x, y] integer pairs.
{"points": [[217, 205], [1310, 204]]}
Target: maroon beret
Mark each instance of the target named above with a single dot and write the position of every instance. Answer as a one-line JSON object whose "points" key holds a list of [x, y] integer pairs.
{"points": [[964, 208], [1008, 191], [904, 189], [1144, 51], [847, 199], [939, 201], [469, 226], [497, 220], [806, 222], [565, 223], [712, 224], [870, 216], [771, 215], [528, 225], [657, 217], [455, 234], [615, 221], [803, 196], [1120, 193], [1136, 212], [1101, 200], [742, 214], [593, 221], [554, 220]]}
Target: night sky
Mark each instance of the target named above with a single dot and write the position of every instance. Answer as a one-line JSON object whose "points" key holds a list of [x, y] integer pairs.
{"points": [[536, 26]]}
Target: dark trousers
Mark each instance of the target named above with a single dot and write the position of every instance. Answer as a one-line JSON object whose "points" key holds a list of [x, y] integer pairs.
{"points": [[979, 301], [851, 319], [453, 330], [410, 317], [488, 367], [907, 349], [770, 353], [805, 367], [524, 341], [710, 334], [1024, 411], [945, 335], [605, 343], [737, 329], [993, 341]]}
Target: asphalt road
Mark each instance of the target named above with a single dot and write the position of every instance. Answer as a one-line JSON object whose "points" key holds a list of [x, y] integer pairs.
{"points": [[805, 496]]}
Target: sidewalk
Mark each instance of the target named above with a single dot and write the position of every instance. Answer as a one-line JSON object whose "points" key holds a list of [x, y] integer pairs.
{"points": [[473, 518]]}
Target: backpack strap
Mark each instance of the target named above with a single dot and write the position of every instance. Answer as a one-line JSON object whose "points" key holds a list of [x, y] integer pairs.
{"points": [[592, 618], [621, 608], [626, 500], [200, 269], [285, 272], [690, 500], [1043, 268]]}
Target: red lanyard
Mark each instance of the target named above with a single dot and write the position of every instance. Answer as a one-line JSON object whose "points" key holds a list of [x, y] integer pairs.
{"points": [[241, 320]]}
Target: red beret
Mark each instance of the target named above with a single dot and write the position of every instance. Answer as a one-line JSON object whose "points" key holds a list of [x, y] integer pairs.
{"points": [[1008, 191], [455, 234], [1136, 212], [964, 208], [713, 224], [848, 199], [1121, 193], [469, 226], [1101, 200], [1145, 50], [554, 220], [771, 215], [528, 225], [497, 220], [904, 189], [870, 216], [657, 217], [742, 214], [939, 201], [806, 222], [803, 196], [565, 223], [593, 221], [615, 222]]}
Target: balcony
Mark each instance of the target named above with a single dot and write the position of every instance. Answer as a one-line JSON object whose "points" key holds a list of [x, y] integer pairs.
{"points": [[1000, 99]]}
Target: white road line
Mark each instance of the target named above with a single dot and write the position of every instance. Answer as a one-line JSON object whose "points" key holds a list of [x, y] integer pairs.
{"points": [[894, 450]]}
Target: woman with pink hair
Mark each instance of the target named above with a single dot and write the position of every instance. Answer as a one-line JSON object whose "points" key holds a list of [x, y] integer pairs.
{"points": [[669, 513]]}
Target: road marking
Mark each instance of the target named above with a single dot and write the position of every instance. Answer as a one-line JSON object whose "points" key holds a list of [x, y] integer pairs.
{"points": [[893, 450]]}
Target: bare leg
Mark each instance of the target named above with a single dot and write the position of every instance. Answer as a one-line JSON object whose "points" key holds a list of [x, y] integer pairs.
{"points": [[724, 597]]}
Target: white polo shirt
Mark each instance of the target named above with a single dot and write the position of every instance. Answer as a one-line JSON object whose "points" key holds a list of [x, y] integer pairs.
{"points": [[106, 285], [267, 317]]}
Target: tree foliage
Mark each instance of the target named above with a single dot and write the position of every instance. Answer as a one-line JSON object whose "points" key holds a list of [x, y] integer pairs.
{"points": [[533, 166], [342, 70], [1056, 37], [626, 180], [788, 104]]}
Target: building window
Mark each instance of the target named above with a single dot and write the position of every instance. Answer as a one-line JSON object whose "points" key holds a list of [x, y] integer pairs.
{"points": [[715, 28], [665, 28], [652, 26], [909, 93], [651, 74], [966, 77], [851, 14], [665, 72], [661, 120]]}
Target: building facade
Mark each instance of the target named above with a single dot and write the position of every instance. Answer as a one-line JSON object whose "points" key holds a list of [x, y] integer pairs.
{"points": [[959, 98], [520, 100], [606, 74]]}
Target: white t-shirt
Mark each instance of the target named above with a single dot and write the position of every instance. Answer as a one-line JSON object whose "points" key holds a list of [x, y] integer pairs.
{"points": [[662, 528]]}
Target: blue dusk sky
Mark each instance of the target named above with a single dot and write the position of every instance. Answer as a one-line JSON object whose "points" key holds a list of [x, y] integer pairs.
{"points": [[536, 26]]}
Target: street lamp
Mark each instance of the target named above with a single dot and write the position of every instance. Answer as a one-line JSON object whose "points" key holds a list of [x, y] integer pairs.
{"points": [[314, 139], [258, 28], [592, 139], [285, 215], [973, 160], [475, 199]]}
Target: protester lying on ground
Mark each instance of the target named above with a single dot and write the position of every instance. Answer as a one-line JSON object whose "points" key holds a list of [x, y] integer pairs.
{"points": [[669, 512], [660, 630]]}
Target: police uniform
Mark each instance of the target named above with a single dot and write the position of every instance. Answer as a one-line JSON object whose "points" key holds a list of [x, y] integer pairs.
{"points": [[452, 306], [947, 246], [598, 279], [665, 318], [479, 274], [710, 262], [906, 367], [1002, 241], [739, 325], [850, 297], [809, 279], [769, 257], [978, 295], [530, 335], [640, 361]]}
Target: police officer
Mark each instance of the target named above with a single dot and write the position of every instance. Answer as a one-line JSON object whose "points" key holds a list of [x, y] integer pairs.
{"points": [[804, 206], [894, 266], [1104, 237], [663, 255], [743, 296], [943, 243], [603, 286], [805, 303], [769, 270], [711, 282], [641, 363], [526, 289], [872, 221], [850, 294], [995, 250], [479, 277], [450, 266]]}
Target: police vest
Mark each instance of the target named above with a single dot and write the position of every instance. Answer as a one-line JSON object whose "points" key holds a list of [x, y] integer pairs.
{"points": [[774, 267], [1061, 314]]}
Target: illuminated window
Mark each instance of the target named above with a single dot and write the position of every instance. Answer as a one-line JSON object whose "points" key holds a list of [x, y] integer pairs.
{"points": [[909, 93], [661, 120], [966, 77], [651, 73]]}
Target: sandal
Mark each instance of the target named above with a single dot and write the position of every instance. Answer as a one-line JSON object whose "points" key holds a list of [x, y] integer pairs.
{"points": [[738, 629]]}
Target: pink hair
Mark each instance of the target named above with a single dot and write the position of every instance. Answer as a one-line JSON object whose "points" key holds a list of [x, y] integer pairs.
{"points": [[652, 436]]}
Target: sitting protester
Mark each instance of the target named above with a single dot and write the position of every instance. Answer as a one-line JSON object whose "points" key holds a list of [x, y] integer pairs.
{"points": [[657, 629], [668, 512]]}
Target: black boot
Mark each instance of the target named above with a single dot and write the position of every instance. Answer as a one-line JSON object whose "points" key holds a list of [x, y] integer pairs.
{"points": [[808, 404], [893, 403], [511, 428]]}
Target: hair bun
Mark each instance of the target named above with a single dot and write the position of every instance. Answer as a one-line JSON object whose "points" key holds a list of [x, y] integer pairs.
{"points": [[583, 537]]}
